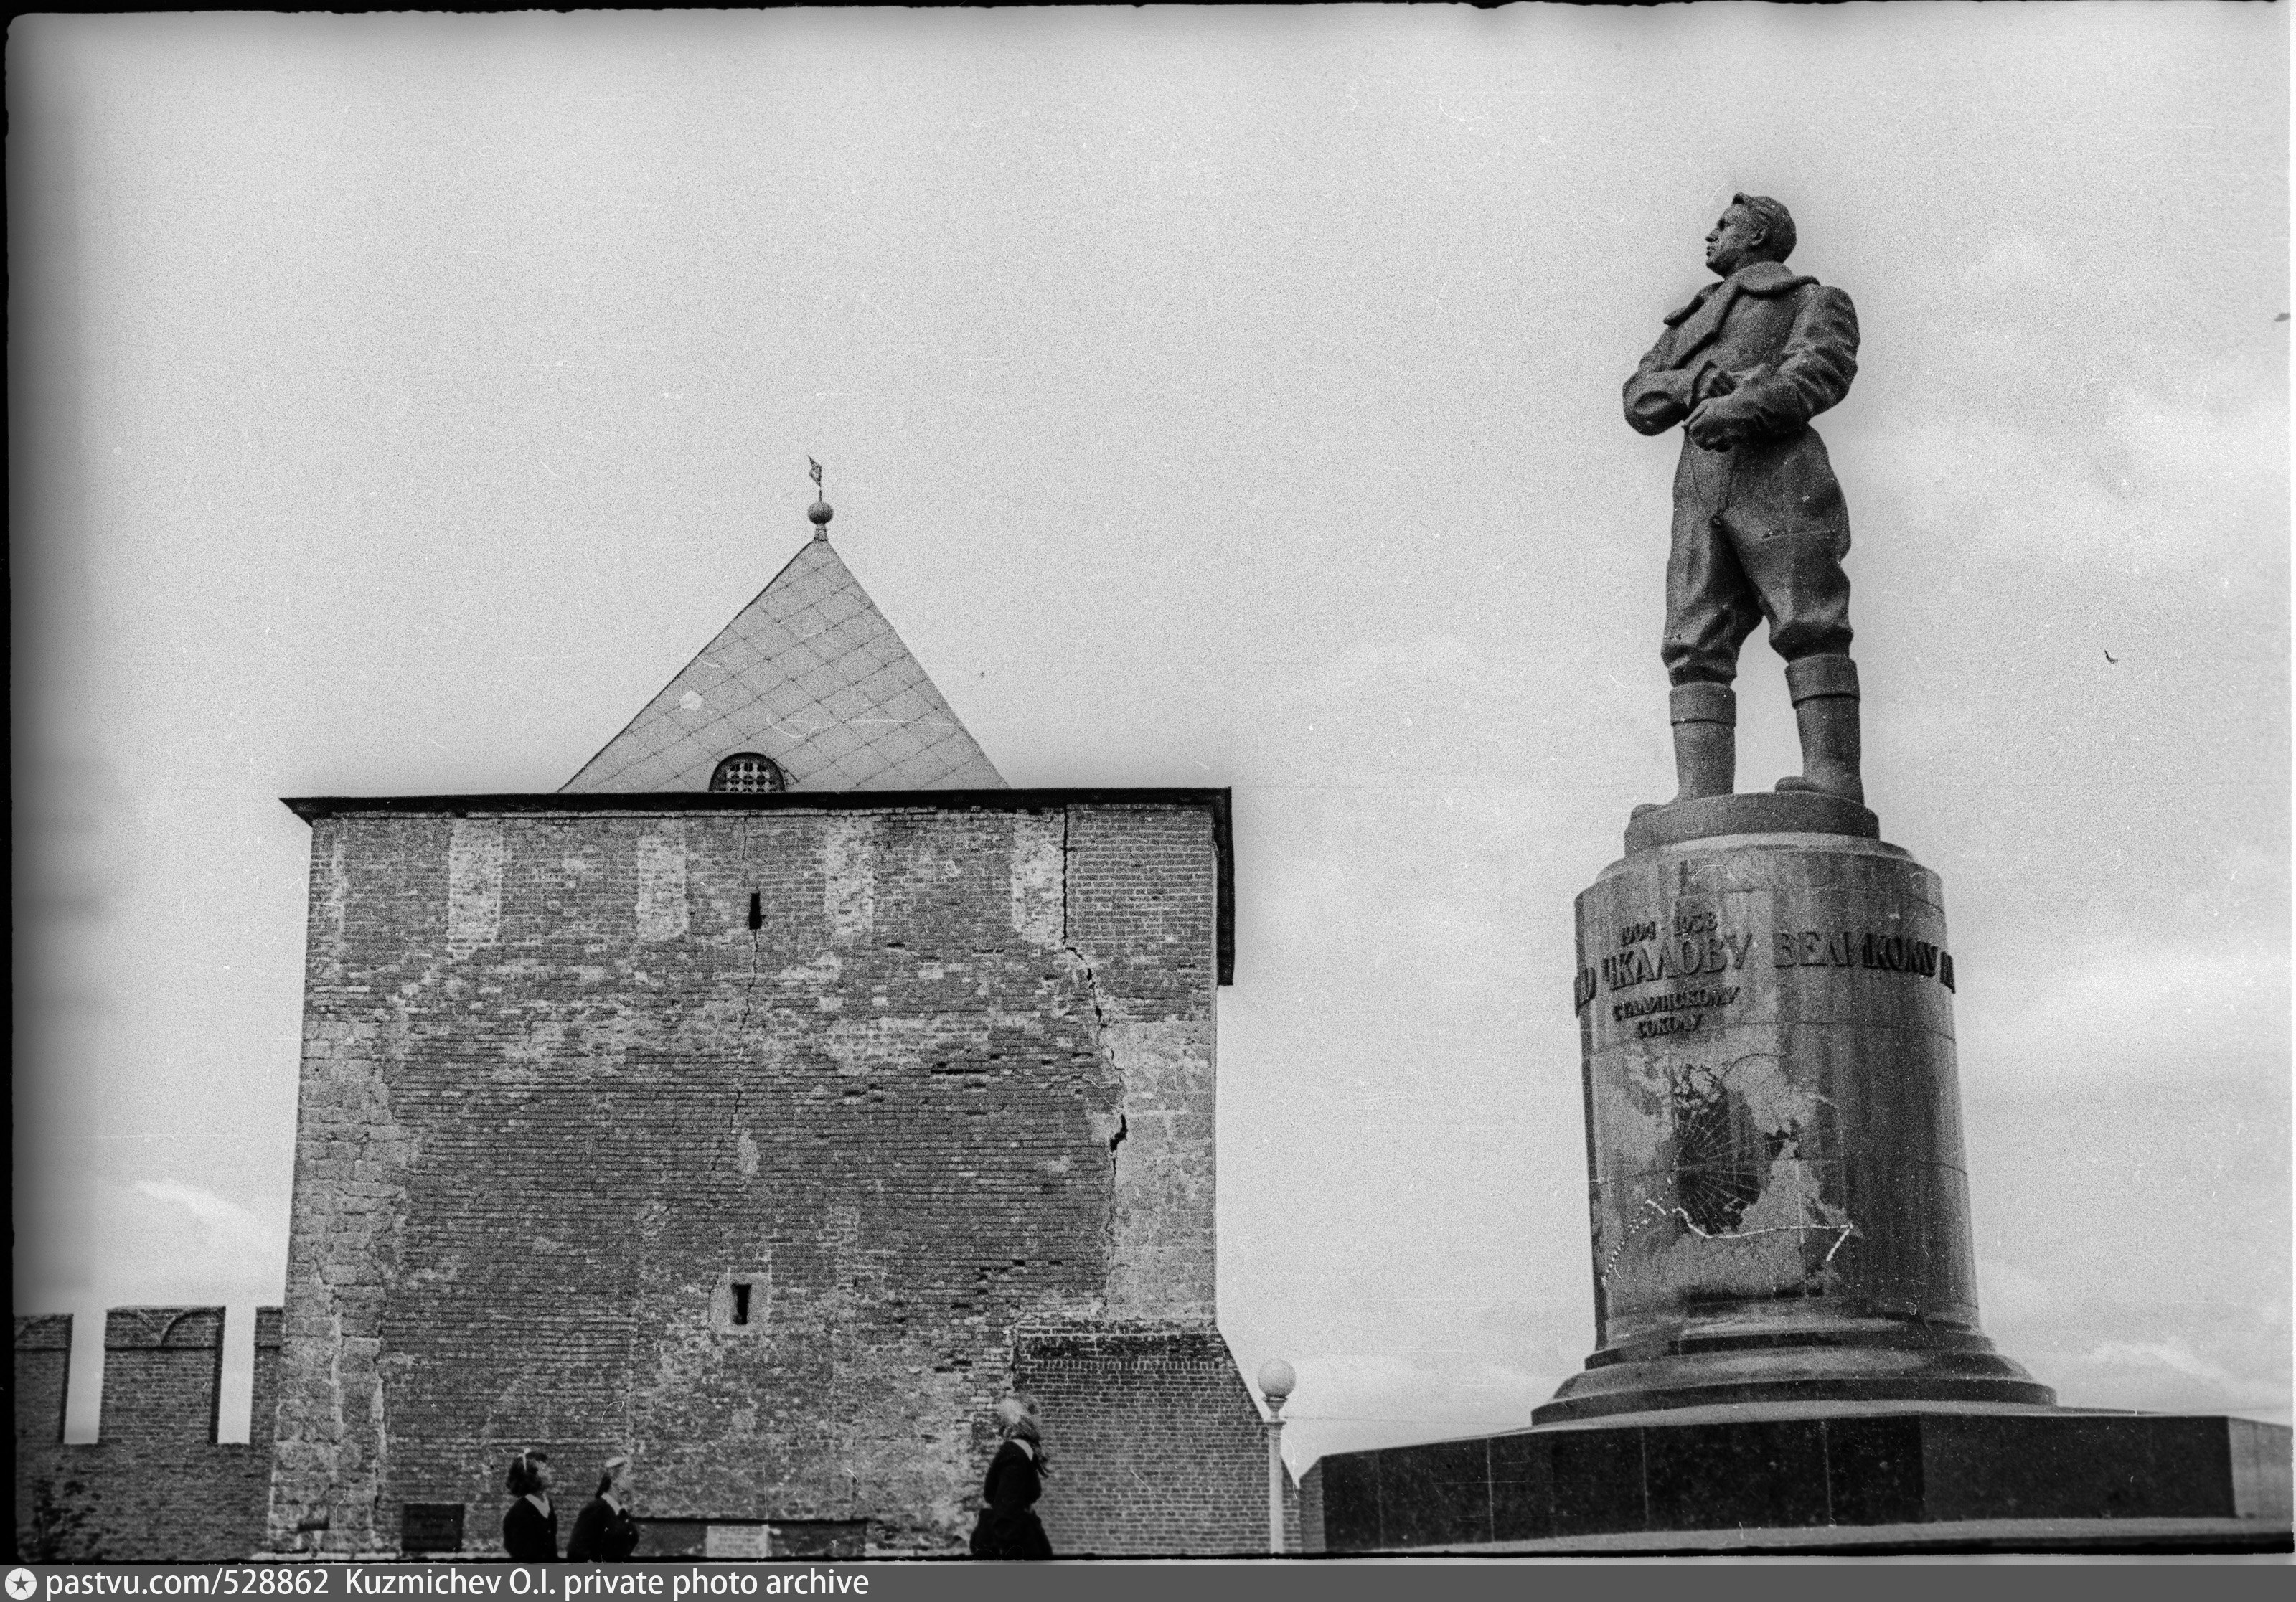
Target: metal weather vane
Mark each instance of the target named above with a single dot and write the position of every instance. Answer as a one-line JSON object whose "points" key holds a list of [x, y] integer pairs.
{"points": [[818, 513]]}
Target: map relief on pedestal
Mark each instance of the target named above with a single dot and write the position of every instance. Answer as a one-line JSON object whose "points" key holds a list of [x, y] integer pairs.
{"points": [[1779, 1200]]}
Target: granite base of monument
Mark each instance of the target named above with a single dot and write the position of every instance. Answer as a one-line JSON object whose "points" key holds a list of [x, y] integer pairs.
{"points": [[1842, 1476]]}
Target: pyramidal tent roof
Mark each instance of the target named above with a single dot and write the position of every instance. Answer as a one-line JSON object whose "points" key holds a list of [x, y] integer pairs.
{"points": [[810, 674]]}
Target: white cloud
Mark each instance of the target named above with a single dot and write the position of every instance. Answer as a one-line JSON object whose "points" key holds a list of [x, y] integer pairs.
{"points": [[2010, 1295], [2128, 1006], [2174, 1354], [160, 1240], [2151, 484], [2225, 450], [2165, 1375], [2183, 1353], [226, 1228], [205, 1206], [2020, 263]]}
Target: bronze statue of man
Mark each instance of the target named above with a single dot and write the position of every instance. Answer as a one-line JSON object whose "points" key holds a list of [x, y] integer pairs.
{"points": [[1759, 526]]}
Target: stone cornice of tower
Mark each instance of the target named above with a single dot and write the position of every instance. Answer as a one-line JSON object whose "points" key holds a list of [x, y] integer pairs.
{"points": [[1217, 801]]}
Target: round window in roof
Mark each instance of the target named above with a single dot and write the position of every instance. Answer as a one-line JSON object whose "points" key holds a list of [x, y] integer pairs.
{"points": [[745, 772]]}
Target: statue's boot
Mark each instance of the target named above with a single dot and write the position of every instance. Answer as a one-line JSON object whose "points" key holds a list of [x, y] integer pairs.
{"points": [[1825, 691], [1705, 718]]}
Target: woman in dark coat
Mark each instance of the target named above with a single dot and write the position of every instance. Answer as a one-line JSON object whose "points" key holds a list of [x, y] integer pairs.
{"points": [[1008, 1530], [531, 1527], [605, 1532]]}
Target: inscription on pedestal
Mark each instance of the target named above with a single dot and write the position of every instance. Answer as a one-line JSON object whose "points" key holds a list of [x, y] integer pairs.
{"points": [[1695, 947], [1685, 1008]]}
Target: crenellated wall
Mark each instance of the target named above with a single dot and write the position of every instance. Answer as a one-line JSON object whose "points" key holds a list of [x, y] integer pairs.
{"points": [[155, 1484]]}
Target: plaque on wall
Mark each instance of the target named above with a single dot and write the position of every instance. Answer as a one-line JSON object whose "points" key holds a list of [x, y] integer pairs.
{"points": [[431, 1527], [738, 1541]]}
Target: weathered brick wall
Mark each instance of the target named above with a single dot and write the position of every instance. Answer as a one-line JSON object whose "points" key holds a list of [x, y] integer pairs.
{"points": [[560, 1097], [1125, 1406], [43, 1367], [155, 1484], [1307, 1528]]}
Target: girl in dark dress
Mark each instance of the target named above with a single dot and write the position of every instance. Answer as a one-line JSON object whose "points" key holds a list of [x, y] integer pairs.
{"points": [[531, 1527], [1008, 1530], [605, 1532]]}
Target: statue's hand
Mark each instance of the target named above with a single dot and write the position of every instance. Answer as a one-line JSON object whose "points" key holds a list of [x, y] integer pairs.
{"points": [[1712, 381], [1717, 425]]}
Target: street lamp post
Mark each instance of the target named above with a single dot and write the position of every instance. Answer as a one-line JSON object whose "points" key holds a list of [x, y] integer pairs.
{"points": [[1275, 1382]]}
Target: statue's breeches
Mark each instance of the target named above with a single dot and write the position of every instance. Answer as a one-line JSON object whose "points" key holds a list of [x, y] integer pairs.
{"points": [[1758, 531]]}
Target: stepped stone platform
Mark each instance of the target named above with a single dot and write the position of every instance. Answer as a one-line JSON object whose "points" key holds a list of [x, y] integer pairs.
{"points": [[2225, 1539], [1817, 1476]]}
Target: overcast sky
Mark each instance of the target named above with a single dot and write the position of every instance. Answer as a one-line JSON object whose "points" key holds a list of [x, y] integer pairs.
{"points": [[1209, 399]]}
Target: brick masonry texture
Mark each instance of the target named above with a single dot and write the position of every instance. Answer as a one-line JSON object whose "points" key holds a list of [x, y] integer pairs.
{"points": [[560, 1100], [1125, 1407], [155, 1484]]}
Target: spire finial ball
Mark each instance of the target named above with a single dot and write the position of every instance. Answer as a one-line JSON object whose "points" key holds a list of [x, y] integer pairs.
{"points": [[820, 513]]}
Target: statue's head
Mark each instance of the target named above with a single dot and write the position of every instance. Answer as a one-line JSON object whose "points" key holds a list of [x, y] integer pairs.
{"points": [[1753, 228]]}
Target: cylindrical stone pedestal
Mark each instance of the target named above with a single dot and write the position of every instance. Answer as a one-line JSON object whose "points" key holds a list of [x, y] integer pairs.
{"points": [[1780, 1210]]}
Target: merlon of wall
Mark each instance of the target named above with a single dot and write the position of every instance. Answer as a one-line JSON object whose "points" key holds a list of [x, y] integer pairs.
{"points": [[156, 1483]]}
